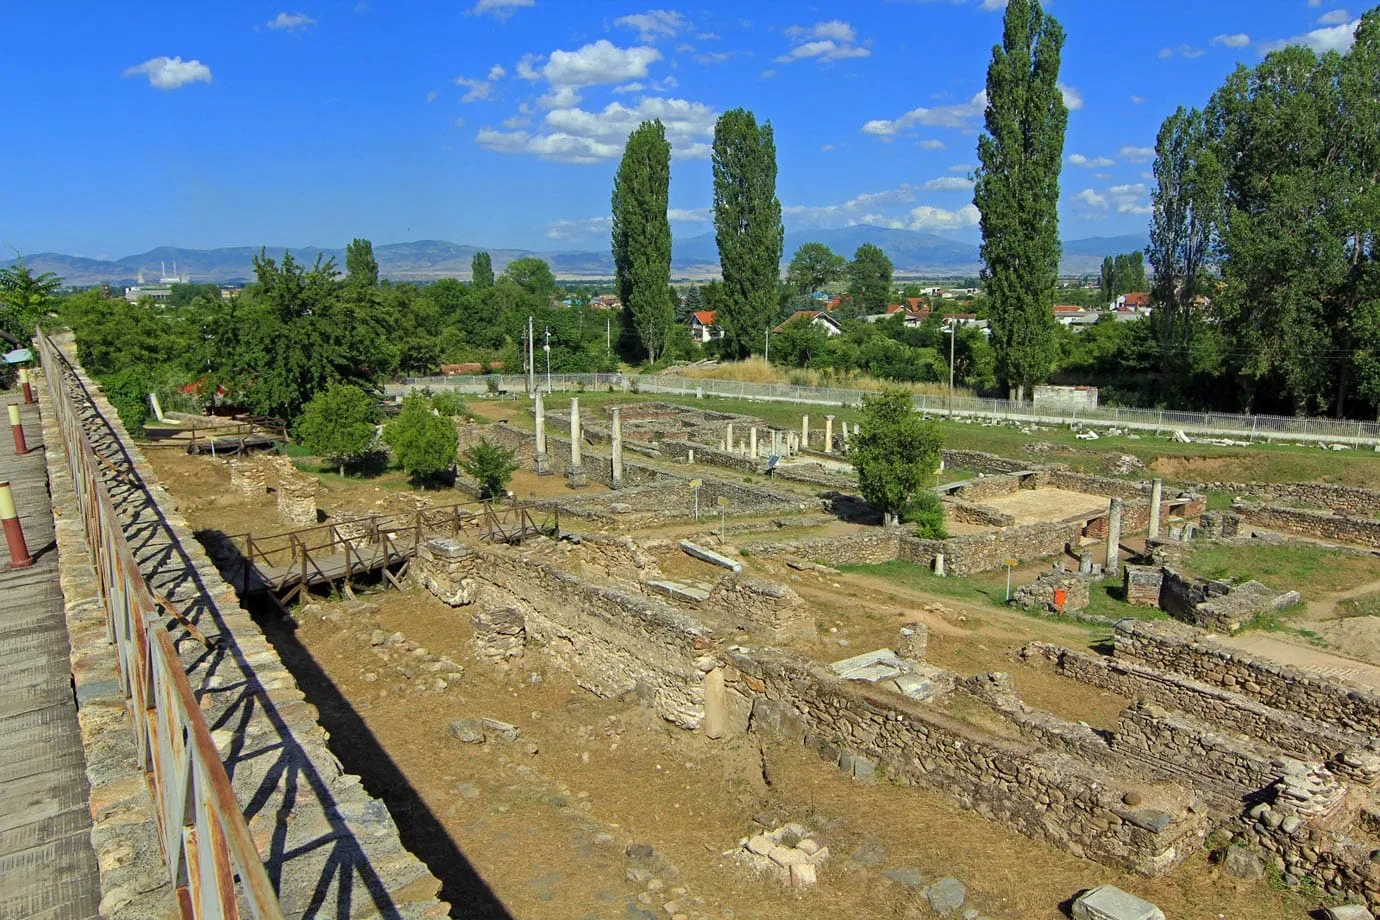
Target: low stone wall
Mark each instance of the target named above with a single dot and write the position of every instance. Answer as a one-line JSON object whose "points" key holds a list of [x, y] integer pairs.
{"points": [[247, 477], [763, 608], [1304, 737], [1180, 648], [1054, 478], [988, 487], [986, 552], [1232, 766], [866, 548], [1039, 594], [1340, 528], [1141, 585], [1341, 864], [1043, 794], [611, 642], [1216, 605], [982, 462], [982, 515], [1325, 495]]}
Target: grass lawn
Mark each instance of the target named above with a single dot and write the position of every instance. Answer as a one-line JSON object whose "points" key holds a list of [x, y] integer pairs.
{"points": [[1177, 462], [1311, 570], [1367, 605]]}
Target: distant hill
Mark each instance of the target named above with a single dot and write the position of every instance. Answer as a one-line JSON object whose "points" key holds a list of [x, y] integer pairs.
{"points": [[912, 252]]}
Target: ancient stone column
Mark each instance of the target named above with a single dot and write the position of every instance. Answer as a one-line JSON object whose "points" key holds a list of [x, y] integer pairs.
{"points": [[845, 437], [804, 432], [1085, 564], [939, 564], [792, 444], [1156, 495], [539, 460], [1113, 566], [775, 443], [828, 434], [728, 438], [617, 448], [715, 704], [575, 475], [752, 443]]}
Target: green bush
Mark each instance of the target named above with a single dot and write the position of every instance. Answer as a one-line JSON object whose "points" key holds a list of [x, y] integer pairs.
{"points": [[338, 424], [127, 392], [491, 466], [450, 403], [926, 512], [423, 442]]}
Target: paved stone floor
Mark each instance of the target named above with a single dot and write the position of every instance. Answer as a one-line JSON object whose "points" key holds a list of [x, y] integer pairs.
{"points": [[47, 867]]}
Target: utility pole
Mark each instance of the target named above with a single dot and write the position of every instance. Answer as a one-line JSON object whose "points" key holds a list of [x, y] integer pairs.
{"points": [[547, 349], [608, 335], [531, 360], [953, 330], [766, 352]]}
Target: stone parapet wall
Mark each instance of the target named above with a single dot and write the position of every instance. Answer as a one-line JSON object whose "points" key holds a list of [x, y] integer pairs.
{"points": [[866, 548], [1233, 766], [1335, 527], [1044, 794], [988, 487], [983, 515], [1055, 478], [982, 462], [1304, 737], [1324, 495], [986, 552], [1180, 648], [247, 477], [1338, 862], [762, 608]]}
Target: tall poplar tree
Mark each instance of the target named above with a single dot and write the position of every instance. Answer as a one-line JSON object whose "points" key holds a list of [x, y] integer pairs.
{"points": [[747, 226], [1017, 192], [481, 270], [362, 267], [869, 281], [642, 236]]}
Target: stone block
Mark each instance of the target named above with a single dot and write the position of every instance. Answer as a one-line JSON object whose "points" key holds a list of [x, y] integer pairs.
{"points": [[803, 875], [1348, 912], [499, 635], [946, 895], [1107, 902], [467, 731], [1242, 863]]}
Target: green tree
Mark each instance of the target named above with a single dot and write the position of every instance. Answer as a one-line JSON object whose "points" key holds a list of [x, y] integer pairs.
{"points": [[338, 424], [813, 266], [748, 229], [482, 270], [128, 392], [896, 452], [24, 297], [869, 280], [693, 303], [360, 264], [1017, 192], [534, 276], [642, 236], [491, 466], [423, 442]]}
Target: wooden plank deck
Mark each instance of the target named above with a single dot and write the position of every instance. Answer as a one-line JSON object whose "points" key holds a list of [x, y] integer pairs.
{"points": [[47, 866]]}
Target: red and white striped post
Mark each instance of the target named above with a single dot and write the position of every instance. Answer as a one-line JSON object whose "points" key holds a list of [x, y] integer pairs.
{"points": [[17, 427], [28, 386], [14, 533]]}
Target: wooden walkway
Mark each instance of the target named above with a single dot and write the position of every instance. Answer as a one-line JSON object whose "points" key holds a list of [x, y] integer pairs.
{"points": [[47, 866]]}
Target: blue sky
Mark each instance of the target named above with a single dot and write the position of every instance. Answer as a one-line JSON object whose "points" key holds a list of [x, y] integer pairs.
{"points": [[499, 122]]}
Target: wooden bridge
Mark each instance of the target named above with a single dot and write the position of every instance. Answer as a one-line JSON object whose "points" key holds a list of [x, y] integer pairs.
{"points": [[285, 565]]}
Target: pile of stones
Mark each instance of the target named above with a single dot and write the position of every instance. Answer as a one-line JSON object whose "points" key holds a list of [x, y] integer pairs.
{"points": [[790, 852]]}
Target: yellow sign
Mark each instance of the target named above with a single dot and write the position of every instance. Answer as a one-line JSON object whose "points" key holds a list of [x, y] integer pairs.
{"points": [[722, 501], [696, 483], [1009, 562]]}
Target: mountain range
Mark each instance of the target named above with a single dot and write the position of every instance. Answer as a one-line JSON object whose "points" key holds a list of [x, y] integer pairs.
{"points": [[912, 253]]}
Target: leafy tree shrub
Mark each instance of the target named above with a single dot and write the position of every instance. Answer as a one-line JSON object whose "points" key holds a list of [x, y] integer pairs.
{"points": [[492, 467], [338, 424], [423, 442], [449, 403], [926, 512], [127, 392], [896, 453]]}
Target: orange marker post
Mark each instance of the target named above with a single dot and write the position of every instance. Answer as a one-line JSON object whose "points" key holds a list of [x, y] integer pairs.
{"points": [[28, 386], [17, 427], [14, 533]]}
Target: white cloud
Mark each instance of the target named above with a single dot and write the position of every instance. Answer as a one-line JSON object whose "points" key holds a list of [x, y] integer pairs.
{"points": [[690, 215], [931, 218], [1233, 40], [949, 184], [167, 73], [459, 122], [517, 121], [1078, 159], [497, 72], [991, 6], [599, 62], [1334, 18], [431, 96], [578, 229], [1130, 199], [1092, 199], [826, 148], [478, 89], [930, 143], [560, 97], [961, 115], [573, 135], [826, 42], [653, 24], [1137, 100], [500, 9], [1331, 38], [291, 21], [525, 70], [1137, 154], [962, 168], [1186, 51], [629, 88], [714, 57], [1073, 99]]}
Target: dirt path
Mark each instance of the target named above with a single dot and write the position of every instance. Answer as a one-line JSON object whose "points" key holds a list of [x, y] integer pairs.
{"points": [[1325, 608], [1305, 658]]}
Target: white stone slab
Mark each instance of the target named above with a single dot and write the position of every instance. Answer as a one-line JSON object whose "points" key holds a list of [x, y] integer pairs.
{"points": [[1106, 902]]}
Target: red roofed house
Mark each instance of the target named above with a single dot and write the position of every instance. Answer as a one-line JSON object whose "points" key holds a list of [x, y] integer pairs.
{"points": [[703, 328], [1137, 300], [824, 321]]}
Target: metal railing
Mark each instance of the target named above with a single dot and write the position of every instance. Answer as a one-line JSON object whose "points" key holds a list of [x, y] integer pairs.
{"points": [[207, 847], [1223, 424]]}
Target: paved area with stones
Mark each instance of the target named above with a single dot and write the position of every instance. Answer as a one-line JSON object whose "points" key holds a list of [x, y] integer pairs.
{"points": [[47, 866]]}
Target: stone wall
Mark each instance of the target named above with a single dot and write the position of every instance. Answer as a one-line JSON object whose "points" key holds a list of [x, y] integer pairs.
{"points": [[1039, 594], [1325, 495], [981, 462], [247, 477], [1341, 864], [868, 547], [760, 607], [296, 495], [1217, 605], [1142, 584], [989, 487], [1054, 478], [1180, 648], [982, 515], [1044, 794], [1304, 737], [986, 552], [1341, 528]]}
